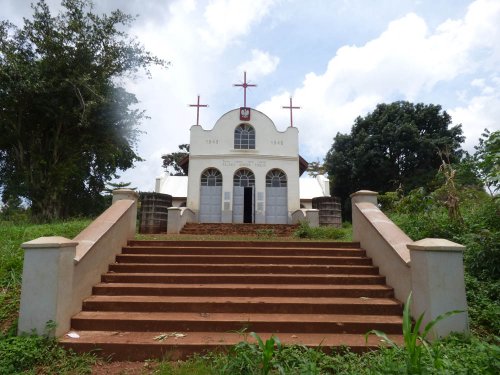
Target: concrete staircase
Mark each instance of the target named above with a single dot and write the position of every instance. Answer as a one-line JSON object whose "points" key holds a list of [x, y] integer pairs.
{"points": [[279, 230], [175, 298]]}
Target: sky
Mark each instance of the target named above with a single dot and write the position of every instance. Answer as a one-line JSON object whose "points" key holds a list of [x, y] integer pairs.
{"points": [[337, 58]]}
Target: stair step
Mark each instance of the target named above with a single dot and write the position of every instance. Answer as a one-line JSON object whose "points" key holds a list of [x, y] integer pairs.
{"points": [[139, 346], [270, 305], [242, 268], [325, 294], [240, 259], [246, 244], [271, 290], [224, 322], [241, 251], [198, 278]]}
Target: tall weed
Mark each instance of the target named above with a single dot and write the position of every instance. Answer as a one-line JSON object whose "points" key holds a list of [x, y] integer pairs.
{"points": [[414, 339]]}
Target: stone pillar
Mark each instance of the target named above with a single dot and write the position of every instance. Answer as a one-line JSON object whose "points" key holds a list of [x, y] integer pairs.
{"points": [[47, 284], [438, 284], [361, 196], [128, 194]]}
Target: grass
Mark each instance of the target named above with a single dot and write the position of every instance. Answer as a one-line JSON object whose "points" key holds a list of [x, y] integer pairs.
{"points": [[458, 355], [305, 231]]}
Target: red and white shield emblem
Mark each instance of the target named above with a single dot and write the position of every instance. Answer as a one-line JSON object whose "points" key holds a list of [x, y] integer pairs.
{"points": [[244, 114]]}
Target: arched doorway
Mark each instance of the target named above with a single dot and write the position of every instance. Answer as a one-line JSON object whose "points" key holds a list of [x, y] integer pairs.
{"points": [[210, 196], [243, 196], [276, 197]]}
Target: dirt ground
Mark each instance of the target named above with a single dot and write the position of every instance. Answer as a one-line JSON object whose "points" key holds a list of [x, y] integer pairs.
{"points": [[123, 368]]}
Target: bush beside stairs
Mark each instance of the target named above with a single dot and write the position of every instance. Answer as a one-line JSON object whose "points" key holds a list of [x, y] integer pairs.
{"points": [[170, 299]]}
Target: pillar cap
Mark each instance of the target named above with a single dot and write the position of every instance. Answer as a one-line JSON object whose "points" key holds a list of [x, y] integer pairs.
{"points": [[49, 242], [435, 244], [126, 192], [364, 192]]}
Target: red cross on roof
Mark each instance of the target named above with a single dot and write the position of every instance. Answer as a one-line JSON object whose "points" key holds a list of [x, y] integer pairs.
{"points": [[291, 107], [244, 85], [198, 105]]}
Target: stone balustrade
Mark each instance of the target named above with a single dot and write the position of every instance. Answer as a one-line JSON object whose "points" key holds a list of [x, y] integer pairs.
{"points": [[431, 268], [59, 273]]}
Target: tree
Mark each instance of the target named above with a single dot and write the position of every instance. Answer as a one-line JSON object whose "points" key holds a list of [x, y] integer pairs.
{"points": [[488, 160], [110, 186], [395, 146], [315, 168], [172, 162], [67, 123]]}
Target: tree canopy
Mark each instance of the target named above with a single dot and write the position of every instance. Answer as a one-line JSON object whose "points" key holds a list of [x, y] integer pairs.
{"points": [[395, 146], [172, 161], [488, 159], [67, 123]]}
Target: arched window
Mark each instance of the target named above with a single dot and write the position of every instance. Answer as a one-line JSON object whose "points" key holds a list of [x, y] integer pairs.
{"points": [[244, 137], [276, 178], [211, 177], [244, 178]]}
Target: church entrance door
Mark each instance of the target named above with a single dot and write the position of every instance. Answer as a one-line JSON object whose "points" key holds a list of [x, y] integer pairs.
{"points": [[210, 196], [248, 205], [243, 204], [243, 196], [210, 204], [276, 197]]}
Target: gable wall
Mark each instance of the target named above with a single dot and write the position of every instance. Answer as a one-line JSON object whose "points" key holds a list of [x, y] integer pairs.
{"points": [[215, 149]]}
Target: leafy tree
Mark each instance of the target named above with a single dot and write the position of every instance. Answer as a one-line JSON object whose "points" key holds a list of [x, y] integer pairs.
{"points": [[171, 162], [315, 168], [394, 147], [488, 159], [118, 185], [67, 123]]}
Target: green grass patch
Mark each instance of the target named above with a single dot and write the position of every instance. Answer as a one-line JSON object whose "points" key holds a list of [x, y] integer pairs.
{"points": [[305, 231], [39, 355], [453, 355]]}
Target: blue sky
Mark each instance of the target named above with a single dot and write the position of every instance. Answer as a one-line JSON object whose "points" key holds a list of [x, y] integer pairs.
{"points": [[337, 58]]}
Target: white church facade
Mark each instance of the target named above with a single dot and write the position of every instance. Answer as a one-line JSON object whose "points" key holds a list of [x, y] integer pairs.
{"points": [[243, 170]]}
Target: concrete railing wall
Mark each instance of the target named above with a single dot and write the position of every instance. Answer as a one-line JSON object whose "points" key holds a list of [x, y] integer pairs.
{"points": [[59, 273], [306, 214], [432, 269], [178, 217]]}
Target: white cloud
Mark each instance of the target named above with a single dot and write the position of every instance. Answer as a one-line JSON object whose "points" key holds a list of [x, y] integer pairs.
{"points": [[406, 61], [229, 19], [261, 64], [192, 36], [481, 111]]}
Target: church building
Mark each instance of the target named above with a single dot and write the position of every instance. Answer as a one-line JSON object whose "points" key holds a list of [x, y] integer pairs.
{"points": [[243, 170]]}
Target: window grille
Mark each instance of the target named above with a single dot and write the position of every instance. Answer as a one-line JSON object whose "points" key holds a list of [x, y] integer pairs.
{"points": [[276, 178], [244, 137], [211, 177], [244, 178]]}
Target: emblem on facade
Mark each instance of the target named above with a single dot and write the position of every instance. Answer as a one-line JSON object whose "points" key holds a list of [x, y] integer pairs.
{"points": [[244, 114]]}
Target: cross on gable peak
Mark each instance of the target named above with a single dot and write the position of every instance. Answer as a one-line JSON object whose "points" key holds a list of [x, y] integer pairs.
{"points": [[245, 85], [198, 105], [291, 107]]}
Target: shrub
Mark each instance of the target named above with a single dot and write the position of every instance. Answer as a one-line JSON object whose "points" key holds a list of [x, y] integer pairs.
{"points": [[322, 233]]}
